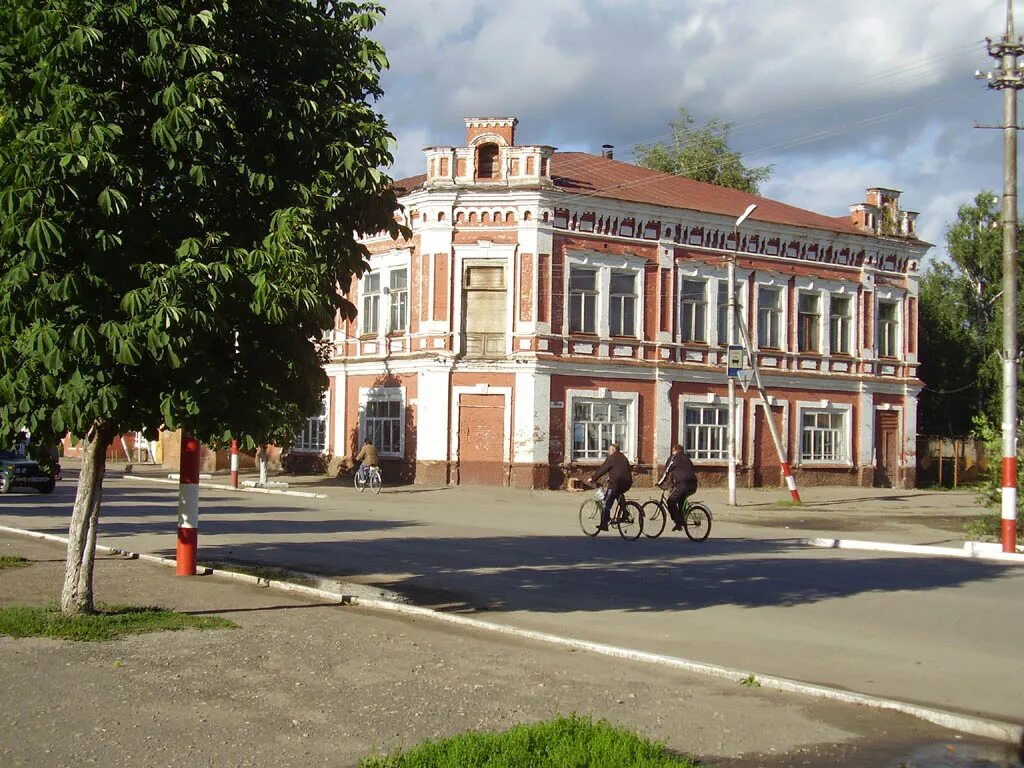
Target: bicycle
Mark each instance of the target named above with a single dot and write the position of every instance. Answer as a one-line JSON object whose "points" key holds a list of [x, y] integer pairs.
{"points": [[368, 476], [627, 516], [696, 518]]}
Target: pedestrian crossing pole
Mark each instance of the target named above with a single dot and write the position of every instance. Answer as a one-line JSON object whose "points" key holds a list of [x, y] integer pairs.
{"points": [[234, 463], [188, 506], [1009, 80]]}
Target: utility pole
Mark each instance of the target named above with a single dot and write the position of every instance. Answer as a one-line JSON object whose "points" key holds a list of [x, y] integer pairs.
{"points": [[1008, 79], [730, 321]]}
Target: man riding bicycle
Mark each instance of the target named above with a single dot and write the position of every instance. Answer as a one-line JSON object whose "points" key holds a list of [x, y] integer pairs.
{"points": [[620, 480], [368, 456], [684, 483]]}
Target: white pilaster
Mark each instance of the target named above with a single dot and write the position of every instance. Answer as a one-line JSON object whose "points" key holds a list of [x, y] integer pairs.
{"points": [[866, 428], [432, 409], [531, 429], [662, 421]]}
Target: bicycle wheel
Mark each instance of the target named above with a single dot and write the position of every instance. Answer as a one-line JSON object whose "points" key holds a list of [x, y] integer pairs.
{"points": [[590, 516], [631, 521], [697, 521], [654, 519], [375, 481], [359, 480]]}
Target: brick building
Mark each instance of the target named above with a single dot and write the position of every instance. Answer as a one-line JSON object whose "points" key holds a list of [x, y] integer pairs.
{"points": [[550, 302]]}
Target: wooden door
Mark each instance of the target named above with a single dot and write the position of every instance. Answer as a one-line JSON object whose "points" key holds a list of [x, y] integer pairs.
{"points": [[887, 457], [481, 440]]}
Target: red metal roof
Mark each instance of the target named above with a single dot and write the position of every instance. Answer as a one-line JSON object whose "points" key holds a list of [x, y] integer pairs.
{"points": [[595, 176]]}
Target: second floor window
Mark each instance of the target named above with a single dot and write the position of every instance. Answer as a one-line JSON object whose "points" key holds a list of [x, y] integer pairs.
{"points": [[808, 322], [769, 318], [888, 329], [694, 311], [582, 300], [371, 302], [839, 325], [723, 314], [399, 284], [622, 304]]}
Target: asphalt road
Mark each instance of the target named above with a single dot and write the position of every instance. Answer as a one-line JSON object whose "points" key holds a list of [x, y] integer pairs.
{"points": [[936, 631]]}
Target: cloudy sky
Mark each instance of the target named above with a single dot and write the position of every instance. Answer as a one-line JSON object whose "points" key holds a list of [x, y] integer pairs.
{"points": [[837, 96]]}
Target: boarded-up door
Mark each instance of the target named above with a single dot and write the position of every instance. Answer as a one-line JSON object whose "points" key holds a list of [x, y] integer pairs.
{"points": [[481, 440], [767, 472], [887, 428]]}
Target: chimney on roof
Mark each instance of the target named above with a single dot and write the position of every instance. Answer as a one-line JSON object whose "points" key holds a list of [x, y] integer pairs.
{"points": [[606, 150]]}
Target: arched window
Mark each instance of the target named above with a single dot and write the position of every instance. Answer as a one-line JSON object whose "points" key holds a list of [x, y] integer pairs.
{"points": [[487, 161]]}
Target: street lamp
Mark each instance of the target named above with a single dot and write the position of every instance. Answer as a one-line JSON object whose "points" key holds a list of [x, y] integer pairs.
{"points": [[731, 340]]}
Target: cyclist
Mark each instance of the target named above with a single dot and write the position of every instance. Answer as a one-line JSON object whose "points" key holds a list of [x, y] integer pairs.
{"points": [[368, 456], [620, 480], [684, 483]]}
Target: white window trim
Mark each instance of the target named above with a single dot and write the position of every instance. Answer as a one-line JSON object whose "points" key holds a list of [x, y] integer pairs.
{"points": [[378, 394], [824, 405], [719, 402], [384, 264], [823, 320], [326, 415], [632, 400], [782, 285], [897, 298], [827, 289], [742, 302], [605, 263], [850, 294]]}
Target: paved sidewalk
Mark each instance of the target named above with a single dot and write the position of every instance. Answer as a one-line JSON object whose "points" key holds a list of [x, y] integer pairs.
{"points": [[318, 684]]}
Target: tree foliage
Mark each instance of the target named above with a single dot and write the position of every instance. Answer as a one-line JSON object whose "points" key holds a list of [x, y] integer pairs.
{"points": [[702, 154], [961, 314], [181, 189]]}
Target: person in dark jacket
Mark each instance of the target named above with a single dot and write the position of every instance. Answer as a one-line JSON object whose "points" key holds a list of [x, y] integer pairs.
{"points": [[679, 470], [620, 480]]}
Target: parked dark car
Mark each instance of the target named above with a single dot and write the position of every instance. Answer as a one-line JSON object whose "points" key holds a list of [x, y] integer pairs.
{"points": [[18, 470]]}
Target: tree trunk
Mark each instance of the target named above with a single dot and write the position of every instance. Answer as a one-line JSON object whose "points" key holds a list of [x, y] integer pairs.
{"points": [[261, 456], [77, 596]]}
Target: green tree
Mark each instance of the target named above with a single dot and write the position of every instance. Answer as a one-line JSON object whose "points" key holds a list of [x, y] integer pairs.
{"points": [[181, 188], [702, 154], [961, 314]]}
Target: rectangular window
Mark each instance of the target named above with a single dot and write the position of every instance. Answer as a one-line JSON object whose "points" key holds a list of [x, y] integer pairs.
{"points": [[706, 429], [313, 436], [382, 423], [723, 314], [888, 329], [808, 321], [693, 311], [582, 300], [839, 325], [371, 302], [823, 436], [622, 304], [769, 318], [595, 425], [399, 285]]}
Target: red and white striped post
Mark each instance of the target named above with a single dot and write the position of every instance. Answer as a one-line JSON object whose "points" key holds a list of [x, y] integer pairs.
{"points": [[188, 506], [234, 463], [790, 480]]}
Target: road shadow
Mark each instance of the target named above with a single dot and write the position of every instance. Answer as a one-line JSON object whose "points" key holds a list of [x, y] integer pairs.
{"points": [[561, 574]]}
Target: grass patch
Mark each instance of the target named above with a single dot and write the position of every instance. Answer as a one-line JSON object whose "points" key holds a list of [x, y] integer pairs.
{"points": [[988, 527], [787, 504], [108, 623], [565, 741], [13, 561]]}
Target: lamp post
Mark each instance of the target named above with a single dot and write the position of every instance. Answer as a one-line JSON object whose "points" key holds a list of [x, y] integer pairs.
{"points": [[730, 321]]}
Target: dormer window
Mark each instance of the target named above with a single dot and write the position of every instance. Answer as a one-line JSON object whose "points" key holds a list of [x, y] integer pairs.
{"points": [[487, 161]]}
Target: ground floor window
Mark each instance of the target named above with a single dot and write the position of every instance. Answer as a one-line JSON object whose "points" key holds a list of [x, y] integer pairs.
{"points": [[706, 428], [595, 425], [313, 436], [823, 436], [382, 421]]}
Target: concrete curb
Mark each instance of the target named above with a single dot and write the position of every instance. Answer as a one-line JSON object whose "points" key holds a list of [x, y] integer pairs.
{"points": [[997, 730], [968, 552], [220, 487]]}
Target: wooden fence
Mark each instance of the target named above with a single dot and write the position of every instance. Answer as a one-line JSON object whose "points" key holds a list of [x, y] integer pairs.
{"points": [[950, 462]]}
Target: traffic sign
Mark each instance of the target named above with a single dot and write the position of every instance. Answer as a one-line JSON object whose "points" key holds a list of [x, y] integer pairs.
{"points": [[735, 360], [745, 375]]}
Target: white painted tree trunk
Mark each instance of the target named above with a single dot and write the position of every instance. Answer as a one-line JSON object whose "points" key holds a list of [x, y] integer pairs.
{"points": [[77, 594], [262, 455]]}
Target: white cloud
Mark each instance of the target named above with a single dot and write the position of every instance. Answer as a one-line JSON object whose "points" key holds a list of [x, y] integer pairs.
{"points": [[837, 96]]}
